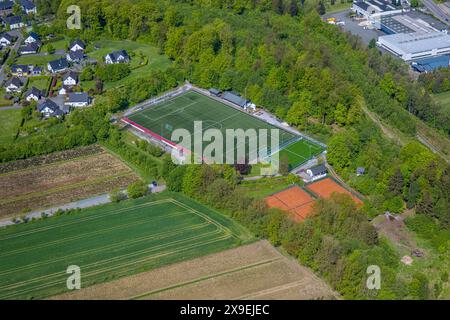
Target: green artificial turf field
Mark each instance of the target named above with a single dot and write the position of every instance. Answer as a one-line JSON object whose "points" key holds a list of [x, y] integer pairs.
{"points": [[183, 110], [299, 152], [109, 241]]}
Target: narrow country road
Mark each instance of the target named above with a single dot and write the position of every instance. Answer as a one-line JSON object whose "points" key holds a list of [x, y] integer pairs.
{"points": [[85, 203]]}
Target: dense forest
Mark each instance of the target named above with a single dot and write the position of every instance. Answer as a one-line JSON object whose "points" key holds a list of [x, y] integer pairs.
{"points": [[282, 56]]}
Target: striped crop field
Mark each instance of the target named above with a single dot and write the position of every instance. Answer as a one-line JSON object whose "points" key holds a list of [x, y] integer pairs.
{"points": [[108, 242]]}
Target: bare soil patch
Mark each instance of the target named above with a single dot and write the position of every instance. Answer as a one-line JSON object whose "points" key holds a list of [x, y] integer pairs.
{"points": [[255, 271]]}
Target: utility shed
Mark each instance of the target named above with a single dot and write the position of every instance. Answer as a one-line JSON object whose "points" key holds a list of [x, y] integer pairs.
{"points": [[234, 98], [214, 91]]}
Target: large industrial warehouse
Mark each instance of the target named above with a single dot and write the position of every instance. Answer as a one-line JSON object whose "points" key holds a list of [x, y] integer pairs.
{"points": [[410, 46]]}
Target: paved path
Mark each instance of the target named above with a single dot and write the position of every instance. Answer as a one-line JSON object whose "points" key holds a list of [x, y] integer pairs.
{"points": [[14, 107], [86, 203]]}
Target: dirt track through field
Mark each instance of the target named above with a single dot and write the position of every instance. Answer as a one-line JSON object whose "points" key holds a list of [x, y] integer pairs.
{"points": [[255, 271]]}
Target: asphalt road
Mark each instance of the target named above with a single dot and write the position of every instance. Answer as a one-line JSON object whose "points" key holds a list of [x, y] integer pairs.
{"points": [[437, 11]]}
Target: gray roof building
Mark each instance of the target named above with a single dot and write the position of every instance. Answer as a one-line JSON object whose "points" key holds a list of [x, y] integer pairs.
{"points": [[410, 46], [58, 65], [78, 97], [234, 98], [318, 170]]}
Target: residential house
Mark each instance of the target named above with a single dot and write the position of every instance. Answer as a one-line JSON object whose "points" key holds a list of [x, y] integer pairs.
{"points": [[50, 109], [6, 39], [77, 45], [75, 56], [78, 99], [33, 94], [14, 22], [20, 70], [317, 172], [70, 79], [64, 90], [120, 56], [6, 7], [59, 65], [13, 85], [29, 48], [32, 38], [28, 6], [35, 71]]}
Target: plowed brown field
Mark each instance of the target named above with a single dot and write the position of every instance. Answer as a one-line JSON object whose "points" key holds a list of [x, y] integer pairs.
{"points": [[46, 185]]}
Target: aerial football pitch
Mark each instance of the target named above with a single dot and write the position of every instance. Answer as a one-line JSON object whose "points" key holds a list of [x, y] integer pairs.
{"points": [[108, 242], [182, 110]]}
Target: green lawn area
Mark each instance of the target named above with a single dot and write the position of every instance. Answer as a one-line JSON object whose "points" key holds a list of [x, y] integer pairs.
{"points": [[87, 85], [442, 98], [42, 83], [40, 60], [110, 241], [60, 44], [261, 188], [155, 60], [9, 122]]}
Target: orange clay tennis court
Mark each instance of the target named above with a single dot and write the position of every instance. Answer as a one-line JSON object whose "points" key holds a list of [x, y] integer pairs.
{"points": [[294, 200], [324, 188]]}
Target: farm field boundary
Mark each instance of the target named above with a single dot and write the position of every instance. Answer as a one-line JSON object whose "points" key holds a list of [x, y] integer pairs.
{"points": [[109, 242], [253, 271]]}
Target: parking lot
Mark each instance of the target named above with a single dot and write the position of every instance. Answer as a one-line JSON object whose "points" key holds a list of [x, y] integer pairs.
{"points": [[353, 26]]}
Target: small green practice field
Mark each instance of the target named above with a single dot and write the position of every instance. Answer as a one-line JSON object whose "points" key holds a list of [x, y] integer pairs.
{"points": [[144, 58], [108, 242], [9, 122], [299, 152], [181, 112]]}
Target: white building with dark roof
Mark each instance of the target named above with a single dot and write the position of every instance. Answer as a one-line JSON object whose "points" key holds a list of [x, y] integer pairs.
{"points": [[33, 94], [120, 56], [6, 39], [13, 85], [77, 45], [78, 99], [48, 108]]}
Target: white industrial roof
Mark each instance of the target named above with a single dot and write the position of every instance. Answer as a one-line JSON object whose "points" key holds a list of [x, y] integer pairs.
{"points": [[418, 42]]}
